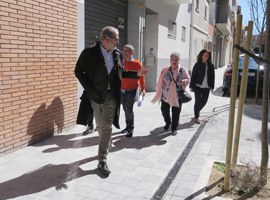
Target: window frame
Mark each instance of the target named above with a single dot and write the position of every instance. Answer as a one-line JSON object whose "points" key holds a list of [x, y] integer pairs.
{"points": [[172, 29], [206, 8], [183, 36], [197, 6]]}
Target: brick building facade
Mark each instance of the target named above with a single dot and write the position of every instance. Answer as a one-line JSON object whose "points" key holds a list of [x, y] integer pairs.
{"points": [[38, 52]]}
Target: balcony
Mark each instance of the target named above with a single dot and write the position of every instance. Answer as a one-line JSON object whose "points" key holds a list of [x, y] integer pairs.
{"points": [[224, 28], [223, 18], [184, 1]]}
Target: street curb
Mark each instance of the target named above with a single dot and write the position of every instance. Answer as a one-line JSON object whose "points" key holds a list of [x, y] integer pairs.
{"points": [[178, 164]]}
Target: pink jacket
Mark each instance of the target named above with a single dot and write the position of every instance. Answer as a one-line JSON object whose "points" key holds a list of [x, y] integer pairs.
{"points": [[172, 95]]}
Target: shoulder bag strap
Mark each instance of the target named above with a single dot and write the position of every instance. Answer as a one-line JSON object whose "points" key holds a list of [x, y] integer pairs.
{"points": [[175, 80]]}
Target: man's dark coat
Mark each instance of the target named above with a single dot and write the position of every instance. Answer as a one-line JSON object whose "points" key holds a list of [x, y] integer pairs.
{"points": [[92, 73]]}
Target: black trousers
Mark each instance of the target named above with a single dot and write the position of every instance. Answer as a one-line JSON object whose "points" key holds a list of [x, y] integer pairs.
{"points": [[201, 98], [174, 120]]}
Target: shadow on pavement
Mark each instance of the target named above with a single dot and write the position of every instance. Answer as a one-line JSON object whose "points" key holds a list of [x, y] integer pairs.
{"points": [[46, 177], [186, 125], [67, 142], [218, 91], [156, 137], [70, 141], [205, 189], [255, 112]]}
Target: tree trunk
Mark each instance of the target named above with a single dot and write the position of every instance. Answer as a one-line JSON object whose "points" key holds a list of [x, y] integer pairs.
{"points": [[264, 138]]}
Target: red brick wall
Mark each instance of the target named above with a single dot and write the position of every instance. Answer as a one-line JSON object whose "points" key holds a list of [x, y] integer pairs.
{"points": [[38, 52]]}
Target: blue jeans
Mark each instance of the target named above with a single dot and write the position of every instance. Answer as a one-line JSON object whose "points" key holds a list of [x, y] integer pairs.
{"points": [[128, 98]]}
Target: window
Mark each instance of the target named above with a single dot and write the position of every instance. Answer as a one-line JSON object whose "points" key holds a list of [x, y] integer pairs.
{"points": [[205, 11], [171, 29], [183, 37], [197, 6]]}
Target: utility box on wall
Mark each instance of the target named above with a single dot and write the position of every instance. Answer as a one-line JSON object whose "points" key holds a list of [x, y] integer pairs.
{"points": [[151, 76]]}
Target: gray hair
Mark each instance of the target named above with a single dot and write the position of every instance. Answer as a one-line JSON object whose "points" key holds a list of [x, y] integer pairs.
{"points": [[130, 47], [109, 32], [175, 54]]}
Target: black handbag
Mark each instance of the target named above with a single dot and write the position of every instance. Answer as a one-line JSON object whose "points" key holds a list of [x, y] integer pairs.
{"points": [[183, 96]]}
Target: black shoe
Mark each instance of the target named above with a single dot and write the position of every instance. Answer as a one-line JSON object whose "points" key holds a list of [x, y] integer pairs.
{"points": [[167, 126], [174, 132], [88, 130], [124, 130], [104, 169], [129, 133]]}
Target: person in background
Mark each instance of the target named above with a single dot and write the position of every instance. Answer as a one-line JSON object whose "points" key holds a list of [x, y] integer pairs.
{"points": [[166, 91], [98, 69], [202, 81], [130, 84]]}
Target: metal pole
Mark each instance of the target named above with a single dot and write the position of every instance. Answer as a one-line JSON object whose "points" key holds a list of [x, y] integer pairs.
{"points": [[232, 104], [242, 95]]}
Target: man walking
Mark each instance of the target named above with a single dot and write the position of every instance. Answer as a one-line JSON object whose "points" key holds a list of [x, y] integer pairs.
{"points": [[98, 70], [130, 84]]}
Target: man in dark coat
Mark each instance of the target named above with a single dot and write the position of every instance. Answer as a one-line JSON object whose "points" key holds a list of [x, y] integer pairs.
{"points": [[99, 69]]}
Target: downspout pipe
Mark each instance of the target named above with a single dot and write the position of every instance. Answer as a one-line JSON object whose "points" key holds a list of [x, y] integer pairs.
{"points": [[191, 39]]}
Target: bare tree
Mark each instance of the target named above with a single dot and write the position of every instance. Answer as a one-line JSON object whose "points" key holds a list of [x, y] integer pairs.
{"points": [[258, 16], [265, 151]]}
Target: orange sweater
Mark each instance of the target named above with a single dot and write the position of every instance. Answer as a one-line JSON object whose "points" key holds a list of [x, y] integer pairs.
{"points": [[130, 79]]}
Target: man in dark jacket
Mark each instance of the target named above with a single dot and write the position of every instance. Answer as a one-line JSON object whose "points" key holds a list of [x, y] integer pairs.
{"points": [[98, 69]]}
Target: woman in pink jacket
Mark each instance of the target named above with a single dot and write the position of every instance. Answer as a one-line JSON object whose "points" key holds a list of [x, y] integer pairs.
{"points": [[166, 91]]}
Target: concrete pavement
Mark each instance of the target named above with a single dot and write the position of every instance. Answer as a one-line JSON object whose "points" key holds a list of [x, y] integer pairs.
{"points": [[64, 166]]}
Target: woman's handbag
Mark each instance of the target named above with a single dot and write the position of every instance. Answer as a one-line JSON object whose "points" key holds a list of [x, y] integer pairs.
{"points": [[183, 96]]}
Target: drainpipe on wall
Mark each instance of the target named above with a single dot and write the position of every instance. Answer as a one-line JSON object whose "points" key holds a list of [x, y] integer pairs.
{"points": [[191, 39]]}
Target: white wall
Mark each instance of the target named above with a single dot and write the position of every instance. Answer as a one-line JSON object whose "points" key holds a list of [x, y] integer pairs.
{"points": [[136, 22], [156, 33], [151, 34], [170, 10]]}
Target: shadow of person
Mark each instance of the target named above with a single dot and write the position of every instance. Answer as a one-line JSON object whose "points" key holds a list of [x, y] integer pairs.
{"points": [[41, 124], [70, 141], [156, 137], [186, 125], [56, 113], [46, 177]]}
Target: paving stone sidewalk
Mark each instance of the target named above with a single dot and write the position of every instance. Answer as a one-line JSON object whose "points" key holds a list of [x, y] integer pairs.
{"points": [[64, 167]]}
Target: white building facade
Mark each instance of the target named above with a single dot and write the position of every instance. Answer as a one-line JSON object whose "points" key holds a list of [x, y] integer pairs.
{"points": [[156, 28]]}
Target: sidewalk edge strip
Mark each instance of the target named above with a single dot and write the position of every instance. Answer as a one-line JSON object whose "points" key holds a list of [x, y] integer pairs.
{"points": [[177, 166]]}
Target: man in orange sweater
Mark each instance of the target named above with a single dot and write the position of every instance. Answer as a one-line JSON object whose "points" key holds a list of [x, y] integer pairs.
{"points": [[129, 84]]}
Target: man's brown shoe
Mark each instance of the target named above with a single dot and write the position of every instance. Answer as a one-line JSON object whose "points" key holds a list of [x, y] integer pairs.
{"points": [[197, 121]]}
